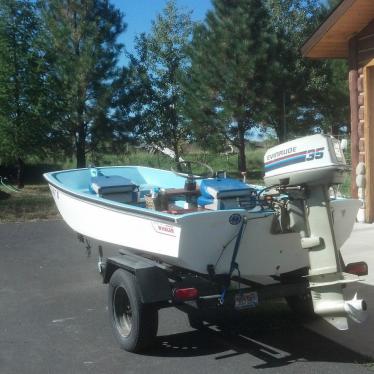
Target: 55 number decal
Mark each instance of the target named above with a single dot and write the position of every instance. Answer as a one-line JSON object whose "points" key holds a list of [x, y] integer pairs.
{"points": [[314, 154]]}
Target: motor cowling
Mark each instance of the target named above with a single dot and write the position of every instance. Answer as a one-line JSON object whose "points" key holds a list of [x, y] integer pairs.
{"points": [[311, 160]]}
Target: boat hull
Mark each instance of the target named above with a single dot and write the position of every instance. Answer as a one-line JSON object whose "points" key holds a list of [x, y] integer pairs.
{"points": [[194, 241], [110, 225]]}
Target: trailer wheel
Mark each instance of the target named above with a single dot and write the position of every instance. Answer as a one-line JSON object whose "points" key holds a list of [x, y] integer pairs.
{"points": [[134, 323]]}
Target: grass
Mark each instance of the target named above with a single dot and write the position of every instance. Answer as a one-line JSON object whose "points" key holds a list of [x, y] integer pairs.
{"points": [[345, 188], [34, 202], [229, 163]]}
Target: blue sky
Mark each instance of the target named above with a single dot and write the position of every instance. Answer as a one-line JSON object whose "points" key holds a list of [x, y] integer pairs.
{"points": [[140, 13]]}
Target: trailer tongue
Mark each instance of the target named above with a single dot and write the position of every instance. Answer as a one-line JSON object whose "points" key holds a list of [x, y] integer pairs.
{"points": [[305, 169]]}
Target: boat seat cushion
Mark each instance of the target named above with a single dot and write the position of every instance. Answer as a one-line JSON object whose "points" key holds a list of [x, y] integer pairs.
{"points": [[203, 201], [112, 184], [220, 188]]}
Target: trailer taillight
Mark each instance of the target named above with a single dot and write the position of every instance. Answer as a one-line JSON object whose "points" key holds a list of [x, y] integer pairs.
{"points": [[184, 294], [357, 268]]}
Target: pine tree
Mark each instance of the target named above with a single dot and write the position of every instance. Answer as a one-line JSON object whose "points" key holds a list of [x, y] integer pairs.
{"points": [[290, 108], [229, 74], [84, 51], [307, 95], [332, 98], [23, 129], [321, 103], [155, 92]]}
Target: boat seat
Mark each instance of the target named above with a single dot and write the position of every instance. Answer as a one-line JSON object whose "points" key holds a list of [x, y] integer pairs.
{"points": [[114, 187], [222, 193]]}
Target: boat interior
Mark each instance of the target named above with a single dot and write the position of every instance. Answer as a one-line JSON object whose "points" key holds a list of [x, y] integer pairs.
{"points": [[161, 190]]}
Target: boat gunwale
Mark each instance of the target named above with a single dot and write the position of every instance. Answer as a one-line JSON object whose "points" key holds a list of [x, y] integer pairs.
{"points": [[123, 207]]}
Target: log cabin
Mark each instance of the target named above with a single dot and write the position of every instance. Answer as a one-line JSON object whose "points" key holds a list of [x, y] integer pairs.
{"points": [[348, 33]]}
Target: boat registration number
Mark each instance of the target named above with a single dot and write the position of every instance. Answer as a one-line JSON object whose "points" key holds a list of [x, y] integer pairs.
{"points": [[246, 300]]}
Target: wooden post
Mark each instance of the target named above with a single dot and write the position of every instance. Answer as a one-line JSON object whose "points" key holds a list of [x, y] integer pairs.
{"points": [[353, 94]]}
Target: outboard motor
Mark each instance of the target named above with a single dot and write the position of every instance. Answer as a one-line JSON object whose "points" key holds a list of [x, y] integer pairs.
{"points": [[305, 169]]}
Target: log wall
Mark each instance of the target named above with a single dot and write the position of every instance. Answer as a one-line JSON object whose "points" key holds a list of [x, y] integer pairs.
{"points": [[361, 56]]}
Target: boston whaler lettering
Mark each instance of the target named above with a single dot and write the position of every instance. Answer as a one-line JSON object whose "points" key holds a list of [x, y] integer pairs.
{"points": [[212, 244]]}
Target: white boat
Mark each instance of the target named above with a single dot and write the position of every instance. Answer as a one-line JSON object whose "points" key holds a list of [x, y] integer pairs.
{"points": [[188, 238], [224, 226]]}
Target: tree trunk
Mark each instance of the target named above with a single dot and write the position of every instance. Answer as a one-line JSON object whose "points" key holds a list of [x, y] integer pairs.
{"points": [[80, 137], [177, 157], [81, 155], [242, 165], [281, 128], [279, 132], [283, 119], [334, 129], [20, 173], [81, 129], [81, 147], [176, 153]]}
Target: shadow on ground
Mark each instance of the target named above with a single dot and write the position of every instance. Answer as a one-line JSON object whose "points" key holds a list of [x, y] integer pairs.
{"points": [[274, 335]]}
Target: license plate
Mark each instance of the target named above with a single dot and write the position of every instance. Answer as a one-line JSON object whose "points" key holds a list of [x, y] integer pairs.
{"points": [[246, 300]]}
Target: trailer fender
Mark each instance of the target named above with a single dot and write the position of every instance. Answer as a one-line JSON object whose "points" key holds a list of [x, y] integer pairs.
{"points": [[152, 281]]}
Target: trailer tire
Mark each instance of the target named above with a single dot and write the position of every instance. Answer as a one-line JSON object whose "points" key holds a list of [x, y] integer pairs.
{"points": [[134, 323]]}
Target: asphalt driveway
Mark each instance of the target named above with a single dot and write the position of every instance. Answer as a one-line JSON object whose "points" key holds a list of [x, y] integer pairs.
{"points": [[53, 319]]}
